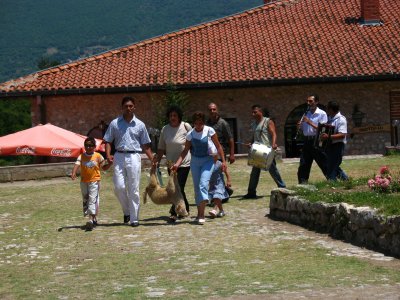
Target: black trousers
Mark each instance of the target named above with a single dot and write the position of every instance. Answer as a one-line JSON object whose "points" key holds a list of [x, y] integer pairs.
{"points": [[182, 173], [335, 155], [308, 155]]}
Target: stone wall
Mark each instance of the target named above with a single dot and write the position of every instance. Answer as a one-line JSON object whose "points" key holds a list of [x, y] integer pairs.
{"points": [[36, 171], [49, 170], [359, 225]]}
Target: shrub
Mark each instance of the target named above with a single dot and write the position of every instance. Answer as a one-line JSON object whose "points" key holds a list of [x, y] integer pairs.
{"points": [[384, 182]]}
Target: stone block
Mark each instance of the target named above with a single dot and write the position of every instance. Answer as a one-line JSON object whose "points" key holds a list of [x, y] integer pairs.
{"points": [[307, 207], [395, 246], [272, 213], [371, 239], [353, 226], [394, 224], [347, 234], [300, 204], [384, 242], [5, 175], [291, 204], [322, 220], [360, 236], [362, 216], [380, 225], [295, 218], [330, 208], [344, 209], [281, 214], [284, 191], [273, 201]]}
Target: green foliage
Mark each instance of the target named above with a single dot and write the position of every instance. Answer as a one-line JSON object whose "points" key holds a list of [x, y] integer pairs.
{"points": [[173, 97], [15, 115], [393, 152], [46, 62], [356, 193], [78, 28], [16, 160]]}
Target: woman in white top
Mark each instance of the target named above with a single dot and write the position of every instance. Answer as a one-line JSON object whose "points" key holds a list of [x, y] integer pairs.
{"points": [[202, 162], [171, 143]]}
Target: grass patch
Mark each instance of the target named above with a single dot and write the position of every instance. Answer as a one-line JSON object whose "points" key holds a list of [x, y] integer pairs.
{"points": [[354, 191]]}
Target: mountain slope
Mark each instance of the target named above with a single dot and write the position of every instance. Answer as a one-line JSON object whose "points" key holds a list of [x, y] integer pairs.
{"points": [[67, 30]]}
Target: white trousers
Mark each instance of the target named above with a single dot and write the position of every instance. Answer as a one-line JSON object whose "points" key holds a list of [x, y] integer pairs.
{"points": [[90, 197], [127, 169]]}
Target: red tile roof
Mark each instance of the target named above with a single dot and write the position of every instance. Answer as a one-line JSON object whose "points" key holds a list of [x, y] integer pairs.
{"points": [[295, 40]]}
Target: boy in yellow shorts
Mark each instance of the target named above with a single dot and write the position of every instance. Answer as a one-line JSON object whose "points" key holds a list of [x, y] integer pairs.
{"points": [[90, 163]]}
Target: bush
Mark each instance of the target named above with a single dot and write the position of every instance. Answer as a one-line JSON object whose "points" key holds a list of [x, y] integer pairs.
{"points": [[384, 182]]}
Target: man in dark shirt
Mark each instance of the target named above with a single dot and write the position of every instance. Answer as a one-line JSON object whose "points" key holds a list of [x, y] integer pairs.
{"points": [[223, 131], [225, 136]]}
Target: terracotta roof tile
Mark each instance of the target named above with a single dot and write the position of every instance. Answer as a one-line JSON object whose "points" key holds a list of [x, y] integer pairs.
{"points": [[298, 39]]}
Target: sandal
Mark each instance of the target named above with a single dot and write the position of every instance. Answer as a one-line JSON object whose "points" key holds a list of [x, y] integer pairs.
{"points": [[172, 219], [213, 213]]}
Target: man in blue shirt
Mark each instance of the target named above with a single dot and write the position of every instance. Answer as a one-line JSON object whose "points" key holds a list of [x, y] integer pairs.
{"points": [[129, 135]]}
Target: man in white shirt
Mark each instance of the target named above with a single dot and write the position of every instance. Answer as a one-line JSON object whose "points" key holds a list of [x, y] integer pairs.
{"points": [[129, 136], [337, 141], [309, 125]]}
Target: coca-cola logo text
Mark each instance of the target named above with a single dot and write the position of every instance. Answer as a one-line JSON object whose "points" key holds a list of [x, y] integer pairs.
{"points": [[25, 150], [61, 152]]}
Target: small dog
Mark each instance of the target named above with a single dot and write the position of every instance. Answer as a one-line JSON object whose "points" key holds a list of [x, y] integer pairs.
{"points": [[171, 194]]}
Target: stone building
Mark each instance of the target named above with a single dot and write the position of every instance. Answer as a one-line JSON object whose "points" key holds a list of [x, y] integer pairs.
{"points": [[274, 55]]}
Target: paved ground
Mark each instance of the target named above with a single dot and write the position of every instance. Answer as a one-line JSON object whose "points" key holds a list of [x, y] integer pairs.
{"points": [[336, 248], [264, 227], [360, 292]]}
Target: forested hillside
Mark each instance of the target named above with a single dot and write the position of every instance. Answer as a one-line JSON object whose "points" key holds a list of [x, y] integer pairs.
{"points": [[65, 30]]}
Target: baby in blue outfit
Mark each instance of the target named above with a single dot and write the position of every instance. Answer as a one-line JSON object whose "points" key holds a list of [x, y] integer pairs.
{"points": [[217, 190]]}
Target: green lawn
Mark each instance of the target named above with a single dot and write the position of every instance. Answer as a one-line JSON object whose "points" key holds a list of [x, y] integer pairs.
{"points": [[356, 190]]}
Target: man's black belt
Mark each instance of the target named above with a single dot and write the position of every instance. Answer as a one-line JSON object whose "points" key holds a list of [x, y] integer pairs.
{"points": [[127, 151]]}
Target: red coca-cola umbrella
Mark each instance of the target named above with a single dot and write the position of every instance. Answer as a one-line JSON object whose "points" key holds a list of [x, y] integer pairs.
{"points": [[45, 140]]}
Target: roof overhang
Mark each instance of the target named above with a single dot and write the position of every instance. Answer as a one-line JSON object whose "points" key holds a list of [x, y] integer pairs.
{"points": [[203, 85]]}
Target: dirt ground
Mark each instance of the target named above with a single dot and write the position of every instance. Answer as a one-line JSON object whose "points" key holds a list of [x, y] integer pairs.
{"points": [[334, 247]]}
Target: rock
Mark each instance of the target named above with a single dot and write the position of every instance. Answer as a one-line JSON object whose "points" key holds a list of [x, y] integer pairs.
{"points": [[360, 225], [362, 216], [309, 187]]}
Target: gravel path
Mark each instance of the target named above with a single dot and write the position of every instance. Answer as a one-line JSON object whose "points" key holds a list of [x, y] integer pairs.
{"points": [[260, 224]]}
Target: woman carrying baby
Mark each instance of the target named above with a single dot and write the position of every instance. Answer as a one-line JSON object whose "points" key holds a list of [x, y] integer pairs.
{"points": [[202, 162]]}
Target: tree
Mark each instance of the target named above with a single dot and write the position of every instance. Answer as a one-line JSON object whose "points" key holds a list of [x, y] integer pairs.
{"points": [[173, 97], [15, 115], [46, 62]]}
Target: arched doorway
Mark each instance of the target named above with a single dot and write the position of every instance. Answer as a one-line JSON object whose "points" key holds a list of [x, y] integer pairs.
{"points": [[294, 141]]}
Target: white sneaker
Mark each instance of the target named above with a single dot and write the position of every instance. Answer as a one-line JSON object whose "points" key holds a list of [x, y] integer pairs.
{"points": [[221, 214], [201, 221]]}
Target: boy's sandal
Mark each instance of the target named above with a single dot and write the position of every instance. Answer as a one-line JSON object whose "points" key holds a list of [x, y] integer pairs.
{"points": [[172, 219]]}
